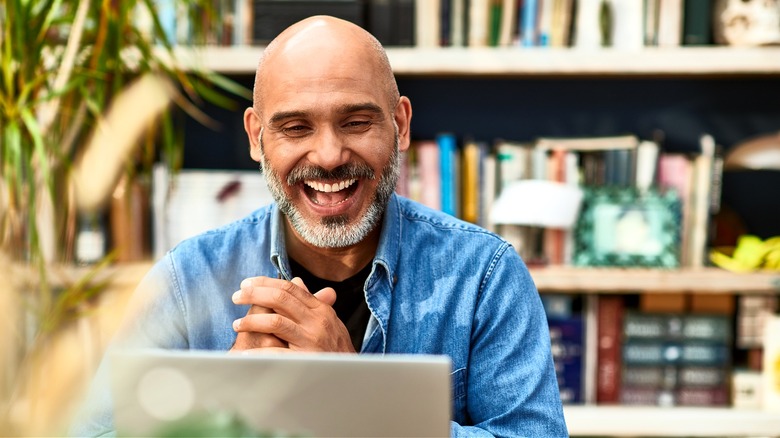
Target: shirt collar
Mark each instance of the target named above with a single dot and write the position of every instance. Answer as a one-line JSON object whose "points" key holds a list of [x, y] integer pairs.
{"points": [[387, 253]]}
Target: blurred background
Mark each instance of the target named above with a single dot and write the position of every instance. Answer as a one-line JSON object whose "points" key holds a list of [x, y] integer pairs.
{"points": [[122, 134]]}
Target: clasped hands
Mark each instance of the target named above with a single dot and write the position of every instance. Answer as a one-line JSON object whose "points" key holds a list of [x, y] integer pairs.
{"points": [[285, 317]]}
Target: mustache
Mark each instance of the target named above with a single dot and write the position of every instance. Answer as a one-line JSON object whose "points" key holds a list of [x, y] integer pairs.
{"points": [[345, 171]]}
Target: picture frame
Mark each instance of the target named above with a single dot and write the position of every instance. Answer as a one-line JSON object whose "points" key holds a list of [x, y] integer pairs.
{"points": [[621, 226]]}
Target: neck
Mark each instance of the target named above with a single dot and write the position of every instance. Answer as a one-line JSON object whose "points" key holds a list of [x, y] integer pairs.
{"points": [[335, 264]]}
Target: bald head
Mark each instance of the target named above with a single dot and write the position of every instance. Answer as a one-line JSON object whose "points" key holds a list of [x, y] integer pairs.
{"points": [[323, 39]]}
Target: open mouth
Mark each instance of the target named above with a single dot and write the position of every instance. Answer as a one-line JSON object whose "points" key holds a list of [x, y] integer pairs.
{"points": [[330, 193]]}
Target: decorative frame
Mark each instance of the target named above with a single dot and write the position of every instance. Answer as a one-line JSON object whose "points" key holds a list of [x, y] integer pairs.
{"points": [[620, 226]]}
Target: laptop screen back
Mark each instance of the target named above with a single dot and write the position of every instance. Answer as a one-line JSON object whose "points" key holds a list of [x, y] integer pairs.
{"points": [[283, 394]]}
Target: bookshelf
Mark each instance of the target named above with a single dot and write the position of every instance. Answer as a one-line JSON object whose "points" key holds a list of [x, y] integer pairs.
{"points": [[518, 62], [617, 280], [669, 422], [486, 65]]}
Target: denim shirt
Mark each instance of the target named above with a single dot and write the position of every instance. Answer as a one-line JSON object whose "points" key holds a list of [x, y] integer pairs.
{"points": [[437, 285]]}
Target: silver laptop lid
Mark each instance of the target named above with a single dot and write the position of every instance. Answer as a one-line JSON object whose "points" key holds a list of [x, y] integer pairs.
{"points": [[282, 394]]}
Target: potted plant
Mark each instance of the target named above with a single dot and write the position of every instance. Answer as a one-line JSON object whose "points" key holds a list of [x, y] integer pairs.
{"points": [[88, 95]]}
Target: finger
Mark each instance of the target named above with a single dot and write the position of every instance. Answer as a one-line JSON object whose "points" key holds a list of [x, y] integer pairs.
{"points": [[327, 296], [299, 282], [248, 341], [259, 290], [271, 323], [262, 350]]}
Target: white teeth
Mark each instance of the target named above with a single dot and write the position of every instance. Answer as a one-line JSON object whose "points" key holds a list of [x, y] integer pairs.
{"points": [[329, 188]]}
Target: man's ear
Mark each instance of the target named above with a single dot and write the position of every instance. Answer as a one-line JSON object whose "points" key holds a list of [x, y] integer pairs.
{"points": [[403, 119], [253, 127]]}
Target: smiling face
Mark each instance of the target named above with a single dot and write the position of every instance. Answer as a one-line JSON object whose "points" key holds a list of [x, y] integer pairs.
{"points": [[327, 130]]}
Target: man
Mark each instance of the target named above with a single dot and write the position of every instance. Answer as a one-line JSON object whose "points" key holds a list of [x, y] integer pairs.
{"points": [[341, 264]]}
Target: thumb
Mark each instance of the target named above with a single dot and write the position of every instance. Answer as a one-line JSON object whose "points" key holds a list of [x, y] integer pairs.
{"points": [[327, 296]]}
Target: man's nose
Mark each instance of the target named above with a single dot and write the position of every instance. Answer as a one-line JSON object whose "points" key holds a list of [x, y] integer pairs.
{"points": [[330, 149]]}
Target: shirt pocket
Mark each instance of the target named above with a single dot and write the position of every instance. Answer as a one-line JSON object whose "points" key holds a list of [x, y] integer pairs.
{"points": [[458, 379]]}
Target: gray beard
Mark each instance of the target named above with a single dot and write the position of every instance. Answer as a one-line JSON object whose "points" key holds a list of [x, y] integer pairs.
{"points": [[334, 231]]}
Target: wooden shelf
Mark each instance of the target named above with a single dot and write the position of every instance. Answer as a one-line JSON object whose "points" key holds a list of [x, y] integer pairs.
{"points": [[670, 422], [515, 61], [621, 280]]}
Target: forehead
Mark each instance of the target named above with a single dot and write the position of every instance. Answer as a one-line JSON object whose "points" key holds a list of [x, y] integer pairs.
{"points": [[316, 70]]}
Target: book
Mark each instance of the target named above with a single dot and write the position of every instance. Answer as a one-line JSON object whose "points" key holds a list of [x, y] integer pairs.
{"points": [[544, 23], [449, 173], [429, 169], [567, 345], [403, 13], [670, 23], [654, 376], [771, 365], [700, 205], [458, 23], [650, 25], [697, 22], [675, 172], [609, 330], [561, 23], [471, 180], [271, 17], [445, 20], [718, 396], [380, 20], [627, 20], [710, 328], [479, 23], [426, 23], [508, 30], [587, 30], [529, 11]]}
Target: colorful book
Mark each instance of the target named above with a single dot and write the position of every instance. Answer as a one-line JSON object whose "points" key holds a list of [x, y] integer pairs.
{"points": [[529, 12], [448, 171], [609, 330], [471, 181], [567, 344], [429, 169]]}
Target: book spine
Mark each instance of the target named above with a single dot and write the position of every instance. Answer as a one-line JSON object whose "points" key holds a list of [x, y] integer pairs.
{"points": [[447, 171], [428, 163], [697, 22], [404, 19], [610, 340], [528, 15], [566, 340], [380, 18], [771, 364]]}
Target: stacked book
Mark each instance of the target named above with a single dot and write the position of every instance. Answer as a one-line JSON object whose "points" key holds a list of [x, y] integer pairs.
{"points": [[675, 360]]}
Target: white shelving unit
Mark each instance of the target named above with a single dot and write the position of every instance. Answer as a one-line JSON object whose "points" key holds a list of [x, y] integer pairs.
{"points": [[626, 280], [687, 61], [637, 421], [699, 62]]}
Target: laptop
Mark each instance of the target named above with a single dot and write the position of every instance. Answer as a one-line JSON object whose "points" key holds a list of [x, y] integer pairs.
{"points": [[297, 394]]}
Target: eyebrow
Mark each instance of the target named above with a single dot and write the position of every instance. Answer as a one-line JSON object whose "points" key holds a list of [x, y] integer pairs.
{"points": [[343, 109]]}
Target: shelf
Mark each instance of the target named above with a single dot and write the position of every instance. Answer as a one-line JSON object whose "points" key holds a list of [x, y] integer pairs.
{"points": [[512, 61], [670, 422], [621, 280]]}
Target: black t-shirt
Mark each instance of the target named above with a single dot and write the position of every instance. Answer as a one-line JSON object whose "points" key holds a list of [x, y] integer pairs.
{"points": [[350, 305]]}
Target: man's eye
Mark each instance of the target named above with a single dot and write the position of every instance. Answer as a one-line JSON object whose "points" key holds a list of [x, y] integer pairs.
{"points": [[357, 125], [296, 130]]}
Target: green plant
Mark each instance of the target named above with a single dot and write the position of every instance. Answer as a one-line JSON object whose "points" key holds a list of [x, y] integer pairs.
{"points": [[63, 64], [72, 74]]}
